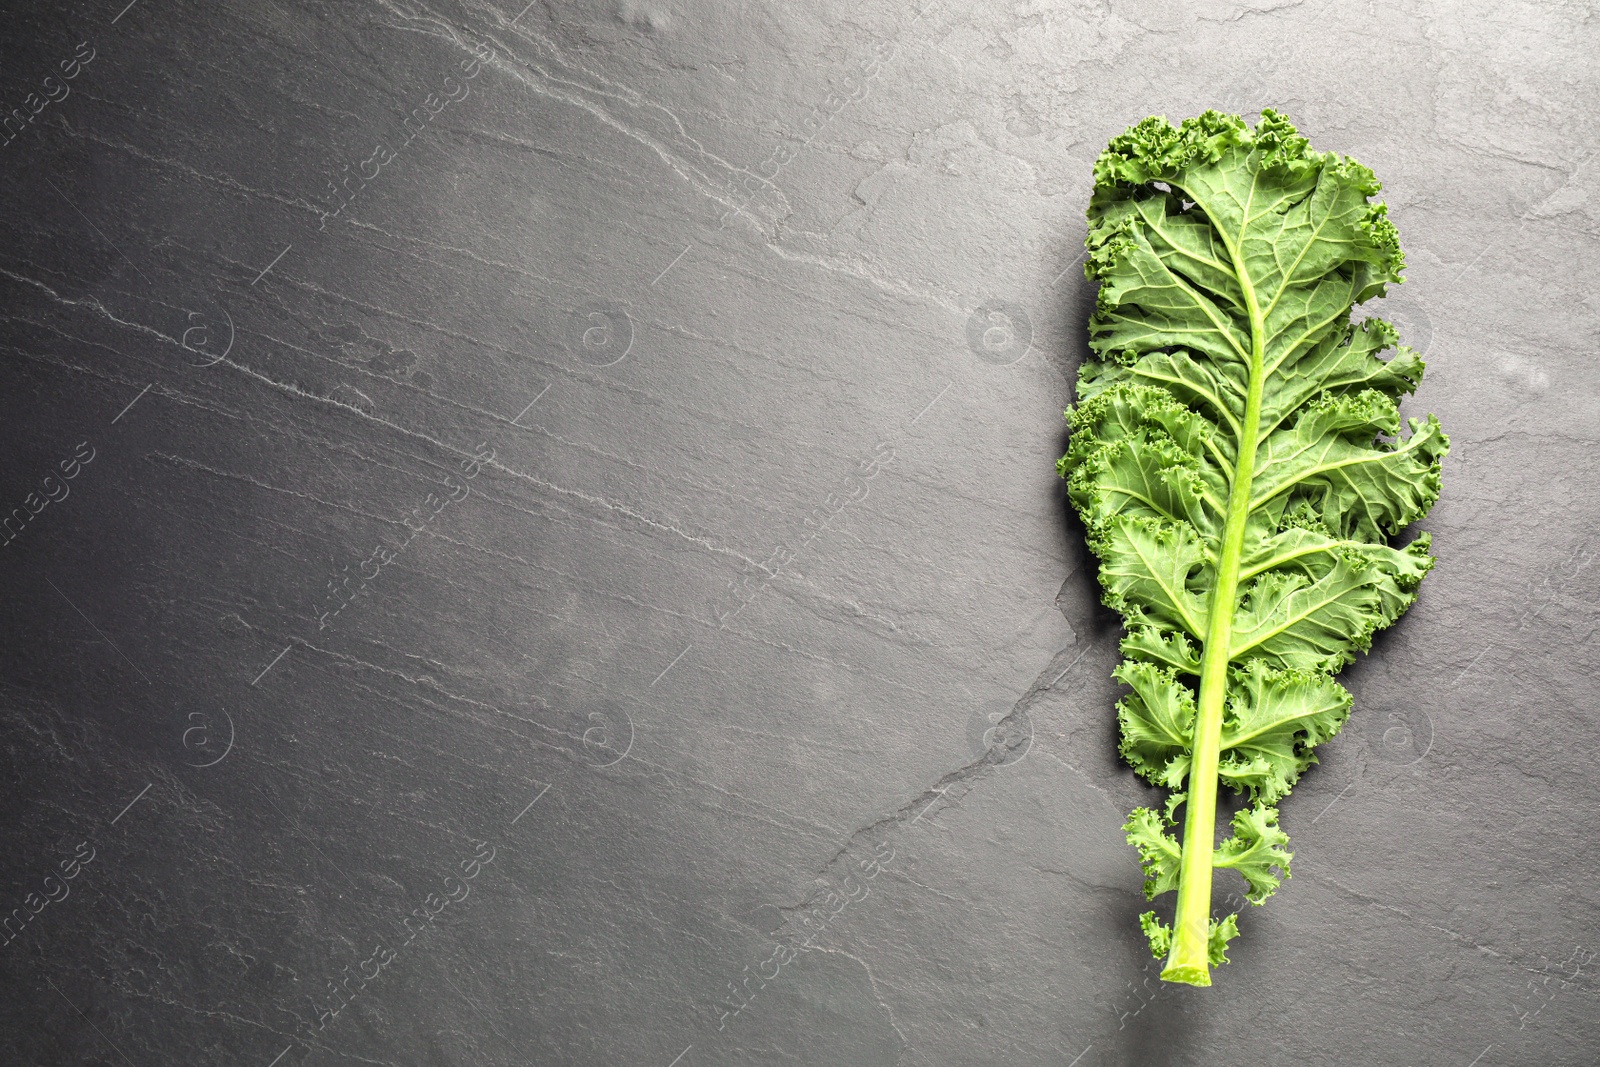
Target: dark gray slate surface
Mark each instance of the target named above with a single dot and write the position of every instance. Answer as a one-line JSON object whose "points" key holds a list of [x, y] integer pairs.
{"points": [[768, 600]]}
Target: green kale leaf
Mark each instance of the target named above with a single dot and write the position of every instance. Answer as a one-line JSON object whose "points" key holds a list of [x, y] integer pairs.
{"points": [[1238, 460]]}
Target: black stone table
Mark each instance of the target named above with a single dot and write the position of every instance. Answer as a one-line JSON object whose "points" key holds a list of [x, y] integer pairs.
{"points": [[534, 540]]}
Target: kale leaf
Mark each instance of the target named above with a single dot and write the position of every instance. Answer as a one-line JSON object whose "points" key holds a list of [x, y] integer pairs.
{"points": [[1238, 461]]}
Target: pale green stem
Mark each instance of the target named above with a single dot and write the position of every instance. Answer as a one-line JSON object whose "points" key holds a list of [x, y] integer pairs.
{"points": [[1189, 960]]}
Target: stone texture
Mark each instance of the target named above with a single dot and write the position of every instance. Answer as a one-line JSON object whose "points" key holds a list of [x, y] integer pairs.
{"points": [[768, 602]]}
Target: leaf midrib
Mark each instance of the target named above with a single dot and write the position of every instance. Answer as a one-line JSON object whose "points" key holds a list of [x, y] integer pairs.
{"points": [[1192, 920]]}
